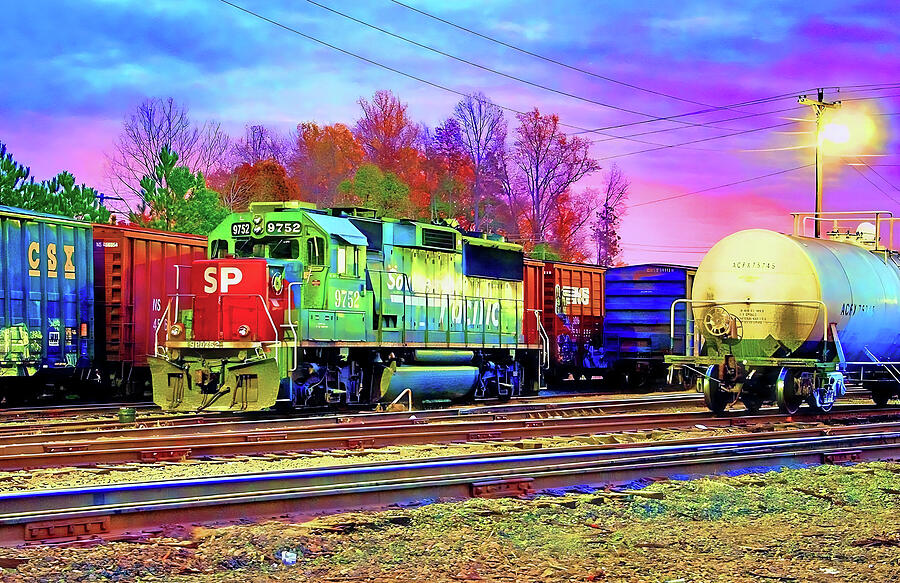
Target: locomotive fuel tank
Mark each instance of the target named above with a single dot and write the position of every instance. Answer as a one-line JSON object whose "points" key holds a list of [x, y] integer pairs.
{"points": [[776, 296]]}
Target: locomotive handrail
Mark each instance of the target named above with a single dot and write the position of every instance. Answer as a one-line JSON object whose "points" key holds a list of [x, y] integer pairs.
{"points": [[290, 321], [747, 302]]}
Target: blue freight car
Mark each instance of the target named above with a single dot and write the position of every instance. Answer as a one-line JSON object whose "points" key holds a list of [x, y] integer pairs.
{"points": [[46, 301], [636, 329]]}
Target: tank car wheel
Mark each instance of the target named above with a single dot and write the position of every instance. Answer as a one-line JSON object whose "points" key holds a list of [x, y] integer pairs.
{"points": [[786, 392], [715, 398], [752, 402], [882, 396]]}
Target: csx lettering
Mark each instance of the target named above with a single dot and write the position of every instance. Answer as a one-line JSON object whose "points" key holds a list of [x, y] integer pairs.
{"points": [[52, 254], [228, 277]]}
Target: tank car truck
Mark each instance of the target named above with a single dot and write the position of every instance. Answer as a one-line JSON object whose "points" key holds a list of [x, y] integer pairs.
{"points": [[299, 307], [793, 318]]}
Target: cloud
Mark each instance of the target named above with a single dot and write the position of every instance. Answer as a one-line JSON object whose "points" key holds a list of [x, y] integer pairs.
{"points": [[532, 31]]}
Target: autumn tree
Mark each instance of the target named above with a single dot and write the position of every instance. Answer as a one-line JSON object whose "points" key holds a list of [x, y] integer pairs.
{"points": [[164, 123], [449, 174], [176, 199], [483, 139], [323, 157], [393, 142], [260, 143], [609, 216], [545, 164], [372, 188], [58, 196], [387, 134]]}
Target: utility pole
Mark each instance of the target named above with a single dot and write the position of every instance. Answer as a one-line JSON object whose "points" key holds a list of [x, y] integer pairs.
{"points": [[820, 105]]}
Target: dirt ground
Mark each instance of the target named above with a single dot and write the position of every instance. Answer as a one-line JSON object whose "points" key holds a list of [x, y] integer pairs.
{"points": [[829, 523]]}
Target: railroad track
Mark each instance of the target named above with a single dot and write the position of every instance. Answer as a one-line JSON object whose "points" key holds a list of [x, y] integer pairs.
{"points": [[54, 516], [651, 402], [55, 411], [303, 435]]}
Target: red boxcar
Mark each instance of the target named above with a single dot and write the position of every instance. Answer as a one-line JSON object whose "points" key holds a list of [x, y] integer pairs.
{"points": [[135, 271], [570, 298]]}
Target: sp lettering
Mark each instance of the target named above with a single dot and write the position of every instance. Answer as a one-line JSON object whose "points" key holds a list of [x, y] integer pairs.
{"points": [[220, 280]]}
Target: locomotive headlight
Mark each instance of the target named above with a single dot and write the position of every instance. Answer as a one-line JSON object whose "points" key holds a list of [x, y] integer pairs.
{"points": [[177, 329], [243, 330], [257, 230], [257, 219]]}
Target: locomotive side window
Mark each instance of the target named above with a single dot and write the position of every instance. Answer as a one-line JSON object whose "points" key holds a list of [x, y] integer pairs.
{"points": [[315, 251], [347, 258], [285, 249]]}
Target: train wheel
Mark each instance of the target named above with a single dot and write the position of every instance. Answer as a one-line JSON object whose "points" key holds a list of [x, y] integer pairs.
{"points": [[715, 398], [881, 396], [786, 392], [752, 401]]}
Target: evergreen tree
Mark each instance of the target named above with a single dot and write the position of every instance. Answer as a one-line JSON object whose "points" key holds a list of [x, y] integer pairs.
{"points": [[176, 199], [58, 196]]}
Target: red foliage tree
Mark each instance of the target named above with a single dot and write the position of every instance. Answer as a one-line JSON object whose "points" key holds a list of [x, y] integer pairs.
{"points": [[323, 158]]}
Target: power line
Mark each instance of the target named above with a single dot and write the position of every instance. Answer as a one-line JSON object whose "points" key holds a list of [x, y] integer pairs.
{"points": [[742, 104], [869, 180], [501, 73], [549, 59], [673, 197], [398, 71], [426, 81], [680, 144]]}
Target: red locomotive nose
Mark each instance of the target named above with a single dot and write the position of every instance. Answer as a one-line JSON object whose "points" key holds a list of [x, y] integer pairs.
{"points": [[231, 300]]}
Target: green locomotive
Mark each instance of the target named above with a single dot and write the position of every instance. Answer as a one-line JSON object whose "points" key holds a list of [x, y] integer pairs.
{"points": [[305, 308]]}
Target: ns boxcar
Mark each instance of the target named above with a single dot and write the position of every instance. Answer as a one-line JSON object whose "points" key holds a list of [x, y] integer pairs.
{"points": [[46, 302], [570, 297], [136, 270]]}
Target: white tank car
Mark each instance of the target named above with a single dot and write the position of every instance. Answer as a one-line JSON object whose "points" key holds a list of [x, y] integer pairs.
{"points": [[784, 318]]}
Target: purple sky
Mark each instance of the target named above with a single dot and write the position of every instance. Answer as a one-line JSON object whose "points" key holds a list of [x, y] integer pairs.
{"points": [[74, 69]]}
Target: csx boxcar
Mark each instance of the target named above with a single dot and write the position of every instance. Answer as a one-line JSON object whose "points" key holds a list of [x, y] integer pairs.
{"points": [[46, 301], [136, 270], [636, 328], [308, 307]]}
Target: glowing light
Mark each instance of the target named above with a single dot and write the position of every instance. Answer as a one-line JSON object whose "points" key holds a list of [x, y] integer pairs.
{"points": [[850, 130], [836, 133]]}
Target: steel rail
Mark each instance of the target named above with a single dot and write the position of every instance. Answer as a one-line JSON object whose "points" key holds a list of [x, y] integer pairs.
{"points": [[59, 515], [264, 418], [273, 439]]}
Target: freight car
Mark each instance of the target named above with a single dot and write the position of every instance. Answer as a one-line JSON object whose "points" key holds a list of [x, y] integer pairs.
{"points": [[636, 335], [46, 302], [792, 318], [79, 303], [564, 309], [135, 270], [304, 307]]}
